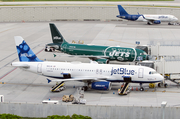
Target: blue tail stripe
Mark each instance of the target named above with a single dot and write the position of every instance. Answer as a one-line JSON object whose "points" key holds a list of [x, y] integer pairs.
{"points": [[122, 11], [26, 54]]}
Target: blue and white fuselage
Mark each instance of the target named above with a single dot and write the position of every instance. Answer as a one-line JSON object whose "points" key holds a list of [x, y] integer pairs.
{"points": [[150, 19], [91, 71]]}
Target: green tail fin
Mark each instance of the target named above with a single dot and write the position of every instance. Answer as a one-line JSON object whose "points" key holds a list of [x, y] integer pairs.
{"points": [[56, 35]]}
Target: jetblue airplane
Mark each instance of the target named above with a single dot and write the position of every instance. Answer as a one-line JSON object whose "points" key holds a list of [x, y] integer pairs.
{"points": [[150, 19], [94, 75], [98, 53]]}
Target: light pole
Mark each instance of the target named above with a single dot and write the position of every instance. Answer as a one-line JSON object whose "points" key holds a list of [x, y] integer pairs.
{"points": [[163, 105]]}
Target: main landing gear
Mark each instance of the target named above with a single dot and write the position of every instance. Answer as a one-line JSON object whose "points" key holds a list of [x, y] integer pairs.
{"points": [[86, 86], [149, 23], [162, 84]]}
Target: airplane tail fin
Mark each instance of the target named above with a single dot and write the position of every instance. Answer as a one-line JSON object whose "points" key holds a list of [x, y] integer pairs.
{"points": [[122, 11], [24, 51], [56, 35]]}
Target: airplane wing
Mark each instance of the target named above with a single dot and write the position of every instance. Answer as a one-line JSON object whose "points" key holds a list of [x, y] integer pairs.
{"points": [[90, 56], [85, 56], [150, 18], [78, 79]]}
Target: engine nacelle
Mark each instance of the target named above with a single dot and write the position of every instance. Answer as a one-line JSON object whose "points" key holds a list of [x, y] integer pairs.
{"points": [[157, 22], [101, 85], [102, 61]]}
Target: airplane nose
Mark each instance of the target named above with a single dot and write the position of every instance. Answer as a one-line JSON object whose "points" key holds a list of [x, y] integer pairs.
{"points": [[175, 19], [161, 78]]}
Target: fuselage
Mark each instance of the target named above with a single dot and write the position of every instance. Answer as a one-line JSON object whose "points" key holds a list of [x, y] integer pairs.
{"points": [[112, 52], [162, 18], [112, 73]]}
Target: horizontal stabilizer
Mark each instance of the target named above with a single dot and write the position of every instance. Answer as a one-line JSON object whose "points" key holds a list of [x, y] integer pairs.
{"points": [[48, 80], [20, 65]]}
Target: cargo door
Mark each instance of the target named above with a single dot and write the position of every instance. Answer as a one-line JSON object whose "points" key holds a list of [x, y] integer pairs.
{"points": [[39, 68], [140, 73]]}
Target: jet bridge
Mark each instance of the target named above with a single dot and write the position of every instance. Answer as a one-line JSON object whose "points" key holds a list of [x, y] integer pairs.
{"points": [[166, 60]]}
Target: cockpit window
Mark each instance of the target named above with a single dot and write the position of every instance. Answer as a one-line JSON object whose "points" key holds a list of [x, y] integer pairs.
{"points": [[152, 72]]}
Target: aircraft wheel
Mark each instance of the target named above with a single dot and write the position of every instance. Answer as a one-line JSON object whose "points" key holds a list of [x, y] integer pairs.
{"points": [[165, 85], [159, 84], [85, 88], [141, 89], [149, 23]]}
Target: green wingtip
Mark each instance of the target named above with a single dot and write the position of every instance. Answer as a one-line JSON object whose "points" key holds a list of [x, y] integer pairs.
{"points": [[54, 55]]}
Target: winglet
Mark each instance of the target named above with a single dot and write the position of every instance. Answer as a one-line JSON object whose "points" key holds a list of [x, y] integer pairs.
{"points": [[48, 80]]}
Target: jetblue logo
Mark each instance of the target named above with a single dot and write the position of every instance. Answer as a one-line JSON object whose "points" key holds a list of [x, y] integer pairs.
{"points": [[122, 71], [100, 85], [163, 16], [57, 38], [118, 53], [26, 55]]}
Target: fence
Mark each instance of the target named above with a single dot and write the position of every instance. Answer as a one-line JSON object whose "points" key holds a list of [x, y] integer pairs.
{"points": [[94, 111], [75, 13]]}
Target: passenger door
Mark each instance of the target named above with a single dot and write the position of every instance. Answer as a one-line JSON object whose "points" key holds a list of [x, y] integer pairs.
{"points": [[140, 73], [39, 68]]}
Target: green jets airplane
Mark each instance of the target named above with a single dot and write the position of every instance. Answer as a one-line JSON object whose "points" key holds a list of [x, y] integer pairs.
{"points": [[100, 54]]}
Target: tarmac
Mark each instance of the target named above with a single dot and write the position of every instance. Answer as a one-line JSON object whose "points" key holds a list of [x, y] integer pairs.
{"points": [[25, 87]]}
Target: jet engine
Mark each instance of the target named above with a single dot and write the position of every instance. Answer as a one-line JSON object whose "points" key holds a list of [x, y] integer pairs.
{"points": [[102, 61], [100, 85], [157, 22]]}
